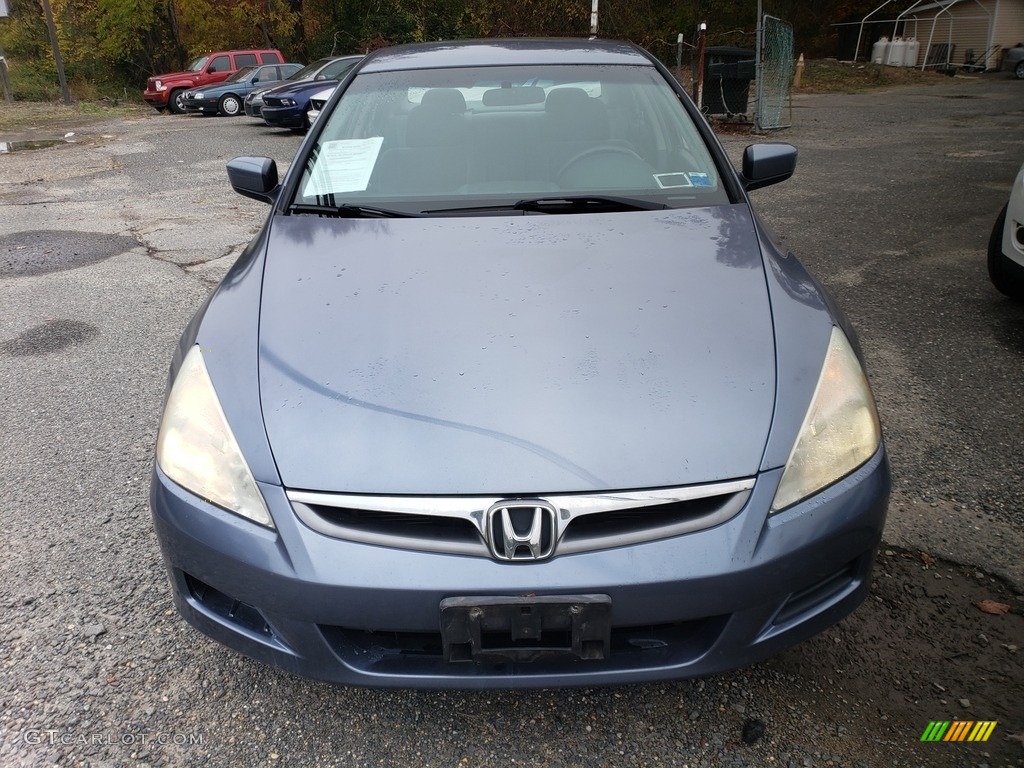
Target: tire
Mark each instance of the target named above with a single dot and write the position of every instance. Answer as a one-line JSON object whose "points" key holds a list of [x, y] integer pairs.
{"points": [[1006, 275], [1019, 71], [176, 101], [230, 105]]}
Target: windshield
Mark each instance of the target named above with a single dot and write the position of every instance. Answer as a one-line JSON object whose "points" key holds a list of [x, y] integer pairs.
{"points": [[310, 69], [243, 74], [336, 69], [431, 140], [198, 64]]}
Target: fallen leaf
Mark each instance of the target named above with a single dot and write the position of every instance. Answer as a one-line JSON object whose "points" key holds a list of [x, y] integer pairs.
{"points": [[1018, 737], [928, 560], [991, 606]]}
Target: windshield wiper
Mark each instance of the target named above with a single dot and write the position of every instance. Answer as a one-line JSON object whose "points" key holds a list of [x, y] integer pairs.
{"points": [[564, 204], [348, 211], [583, 203]]}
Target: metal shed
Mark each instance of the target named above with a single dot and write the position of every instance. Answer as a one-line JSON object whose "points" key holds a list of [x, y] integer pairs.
{"points": [[950, 32]]}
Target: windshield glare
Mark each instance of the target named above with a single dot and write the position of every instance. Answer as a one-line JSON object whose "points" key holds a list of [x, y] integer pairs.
{"points": [[310, 69], [241, 74], [430, 139], [198, 64]]}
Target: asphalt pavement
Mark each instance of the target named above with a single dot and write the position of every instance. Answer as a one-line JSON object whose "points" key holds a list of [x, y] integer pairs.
{"points": [[109, 244]]}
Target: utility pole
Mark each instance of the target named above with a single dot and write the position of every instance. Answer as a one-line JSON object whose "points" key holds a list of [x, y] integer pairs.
{"points": [[56, 52], [702, 36], [679, 58], [593, 19]]}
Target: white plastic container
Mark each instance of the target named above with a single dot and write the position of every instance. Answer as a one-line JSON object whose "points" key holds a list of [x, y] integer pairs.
{"points": [[878, 51], [896, 52], [911, 52]]}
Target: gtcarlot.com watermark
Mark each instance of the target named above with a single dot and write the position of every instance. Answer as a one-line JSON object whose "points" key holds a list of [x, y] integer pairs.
{"points": [[53, 736]]}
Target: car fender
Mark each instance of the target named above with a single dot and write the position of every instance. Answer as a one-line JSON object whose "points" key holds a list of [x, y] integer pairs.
{"points": [[232, 362]]}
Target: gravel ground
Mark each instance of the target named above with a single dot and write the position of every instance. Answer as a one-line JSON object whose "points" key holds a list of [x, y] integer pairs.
{"points": [[891, 208]]}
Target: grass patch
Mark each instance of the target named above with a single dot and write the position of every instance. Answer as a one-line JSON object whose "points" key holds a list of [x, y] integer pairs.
{"points": [[831, 76], [28, 116]]}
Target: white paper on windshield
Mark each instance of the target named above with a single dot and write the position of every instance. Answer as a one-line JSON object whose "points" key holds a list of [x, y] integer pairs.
{"points": [[343, 165]]}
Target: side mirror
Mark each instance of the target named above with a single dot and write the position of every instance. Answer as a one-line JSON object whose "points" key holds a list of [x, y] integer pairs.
{"points": [[767, 164], [254, 177]]}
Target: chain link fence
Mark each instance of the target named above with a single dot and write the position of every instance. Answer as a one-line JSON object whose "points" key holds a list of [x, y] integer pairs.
{"points": [[773, 105]]}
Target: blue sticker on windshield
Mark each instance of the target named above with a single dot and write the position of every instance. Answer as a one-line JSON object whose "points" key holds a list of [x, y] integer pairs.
{"points": [[701, 180]]}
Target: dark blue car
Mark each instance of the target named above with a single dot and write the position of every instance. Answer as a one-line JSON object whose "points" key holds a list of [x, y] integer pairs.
{"points": [[286, 105], [513, 389], [227, 98]]}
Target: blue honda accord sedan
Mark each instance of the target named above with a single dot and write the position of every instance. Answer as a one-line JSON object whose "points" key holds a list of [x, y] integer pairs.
{"points": [[513, 389]]}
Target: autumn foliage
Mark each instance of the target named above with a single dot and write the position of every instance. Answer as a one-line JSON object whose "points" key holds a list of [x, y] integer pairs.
{"points": [[108, 45]]}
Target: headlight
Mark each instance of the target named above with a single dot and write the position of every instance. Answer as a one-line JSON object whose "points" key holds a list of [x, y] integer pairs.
{"points": [[287, 102], [198, 95], [160, 86], [196, 449], [840, 431]]}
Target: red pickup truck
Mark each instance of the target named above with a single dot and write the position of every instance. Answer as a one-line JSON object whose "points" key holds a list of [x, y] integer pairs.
{"points": [[167, 91]]}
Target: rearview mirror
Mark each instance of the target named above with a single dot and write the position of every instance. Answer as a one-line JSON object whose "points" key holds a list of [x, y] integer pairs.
{"points": [[513, 97], [254, 177], [766, 164]]}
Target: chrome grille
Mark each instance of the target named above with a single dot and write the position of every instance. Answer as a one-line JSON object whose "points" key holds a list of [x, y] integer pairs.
{"points": [[457, 525]]}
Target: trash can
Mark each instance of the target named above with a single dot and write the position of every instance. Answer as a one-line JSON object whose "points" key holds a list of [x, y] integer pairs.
{"points": [[727, 75]]}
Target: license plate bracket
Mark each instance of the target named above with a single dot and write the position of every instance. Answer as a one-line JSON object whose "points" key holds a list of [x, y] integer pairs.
{"points": [[526, 629]]}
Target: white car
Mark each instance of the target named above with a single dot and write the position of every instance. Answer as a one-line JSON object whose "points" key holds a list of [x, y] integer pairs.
{"points": [[1006, 244], [317, 101]]}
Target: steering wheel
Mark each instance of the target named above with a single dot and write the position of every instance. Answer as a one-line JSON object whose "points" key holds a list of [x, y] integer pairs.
{"points": [[612, 166]]}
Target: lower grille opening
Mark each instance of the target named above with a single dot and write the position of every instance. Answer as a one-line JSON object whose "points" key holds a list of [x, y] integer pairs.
{"points": [[547, 639], [809, 599], [422, 652], [227, 608]]}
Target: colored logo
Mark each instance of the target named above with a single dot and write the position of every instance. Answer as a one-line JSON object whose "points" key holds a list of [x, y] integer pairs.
{"points": [[958, 730]]}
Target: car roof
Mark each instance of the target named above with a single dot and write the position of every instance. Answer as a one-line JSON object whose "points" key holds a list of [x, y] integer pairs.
{"points": [[517, 51]]}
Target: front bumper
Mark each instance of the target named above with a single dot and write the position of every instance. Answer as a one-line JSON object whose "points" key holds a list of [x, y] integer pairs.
{"points": [[204, 107], [282, 117], [155, 98], [688, 606]]}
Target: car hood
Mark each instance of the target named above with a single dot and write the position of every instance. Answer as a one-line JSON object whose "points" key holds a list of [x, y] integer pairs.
{"points": [[300, 88], [516, 355], [186, 75], [263, 88]]}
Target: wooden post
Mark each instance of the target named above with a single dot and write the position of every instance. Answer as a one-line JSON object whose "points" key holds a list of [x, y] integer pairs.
{"points": [[56, 52], [4, 80], [799, 71]]}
